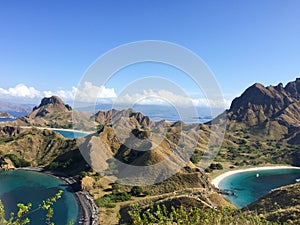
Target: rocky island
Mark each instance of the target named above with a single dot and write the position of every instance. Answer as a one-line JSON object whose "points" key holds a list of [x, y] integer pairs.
{"points": [[5, 115]]}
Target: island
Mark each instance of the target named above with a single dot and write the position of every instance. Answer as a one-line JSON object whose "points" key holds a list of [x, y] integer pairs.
{"points": [[6, 115]]}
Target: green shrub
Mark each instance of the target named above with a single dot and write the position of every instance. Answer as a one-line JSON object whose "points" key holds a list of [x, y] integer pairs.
{"points": [[108, 200], [216, 166], [18, 162], [159, 214], [20, 218], [136, 191], [196, 157]]}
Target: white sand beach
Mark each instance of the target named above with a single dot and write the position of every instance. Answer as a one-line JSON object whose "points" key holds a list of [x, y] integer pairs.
{"points": [[216, 181], [61, 129]]}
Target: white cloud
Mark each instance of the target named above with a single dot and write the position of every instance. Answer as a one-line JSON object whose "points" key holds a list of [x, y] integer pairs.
{"points": [[64, 94], [90, 93], [20, 90], [163, 97]]}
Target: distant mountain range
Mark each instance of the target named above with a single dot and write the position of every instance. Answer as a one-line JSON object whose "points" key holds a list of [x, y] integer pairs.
{"points": [[14, 107]]}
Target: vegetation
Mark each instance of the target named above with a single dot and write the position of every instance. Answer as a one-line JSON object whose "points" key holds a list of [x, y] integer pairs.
{"points": [[214, 166], [21, 218], [159, 214], [251, 150], [109, 200], [136, 191], [196, 157], [18, 162], [282, 204]]}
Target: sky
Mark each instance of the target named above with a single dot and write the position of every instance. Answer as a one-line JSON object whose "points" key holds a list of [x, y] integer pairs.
{"points": [[47, 46]]}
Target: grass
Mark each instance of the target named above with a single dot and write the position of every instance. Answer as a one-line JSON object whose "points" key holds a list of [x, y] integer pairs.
{"points": [[109, 200]]}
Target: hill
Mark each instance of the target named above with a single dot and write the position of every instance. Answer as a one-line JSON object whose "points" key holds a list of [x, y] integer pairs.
{"points": [[53, 112], [274, 111], [282, 204], [263, 126], [34, 147]]}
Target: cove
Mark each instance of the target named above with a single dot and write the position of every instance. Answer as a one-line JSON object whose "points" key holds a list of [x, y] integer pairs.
{"points": [[20, 186], [71, 133], [249, 186]]}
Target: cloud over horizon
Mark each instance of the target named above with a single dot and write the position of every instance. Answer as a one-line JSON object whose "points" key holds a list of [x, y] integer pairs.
{"points": [[20, 90], [89, 93]]}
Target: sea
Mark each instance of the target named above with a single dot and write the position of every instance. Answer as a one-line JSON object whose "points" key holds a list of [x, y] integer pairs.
{"points": [[71, 134], [157, 113], [245, 188], [14, 114], [21, 186]]}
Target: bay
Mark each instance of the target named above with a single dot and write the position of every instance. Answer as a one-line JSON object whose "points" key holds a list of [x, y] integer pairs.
{"points": [[20, 186], [249, 186], [70, 133]]}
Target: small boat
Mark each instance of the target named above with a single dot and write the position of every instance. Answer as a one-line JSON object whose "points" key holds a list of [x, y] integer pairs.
{"points": [[257, 175], [298, 180]]}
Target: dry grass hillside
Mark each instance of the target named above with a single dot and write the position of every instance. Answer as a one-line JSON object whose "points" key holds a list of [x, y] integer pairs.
{"points": [[282, 204]]}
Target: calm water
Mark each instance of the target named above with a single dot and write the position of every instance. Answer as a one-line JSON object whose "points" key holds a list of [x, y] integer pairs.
{"points": [[71, 134], [247, 187], [14, 114], [25, 186]]}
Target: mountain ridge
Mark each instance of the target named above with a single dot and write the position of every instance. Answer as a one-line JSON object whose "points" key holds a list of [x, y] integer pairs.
{"points": [[258, 103]]}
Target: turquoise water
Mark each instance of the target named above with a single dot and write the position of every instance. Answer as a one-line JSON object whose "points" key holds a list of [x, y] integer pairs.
{"points": [[25, 186], [71, 134], [247, 187]]}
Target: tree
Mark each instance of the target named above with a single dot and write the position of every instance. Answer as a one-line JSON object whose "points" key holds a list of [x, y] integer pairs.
{"points": [[21, 217], [136, 191]]}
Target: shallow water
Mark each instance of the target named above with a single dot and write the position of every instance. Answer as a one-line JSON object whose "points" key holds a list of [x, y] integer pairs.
{"points": [[71, 134], [248, 186], [25, 186]]}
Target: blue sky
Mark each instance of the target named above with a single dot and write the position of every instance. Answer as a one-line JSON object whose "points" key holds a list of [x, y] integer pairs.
{"points": [[48, 45]]}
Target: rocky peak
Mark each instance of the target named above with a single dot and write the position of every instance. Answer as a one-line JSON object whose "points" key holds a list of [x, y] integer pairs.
{"points": [[259, 103], [293, 88], [126, 117], [51, 100], [54, 102]]}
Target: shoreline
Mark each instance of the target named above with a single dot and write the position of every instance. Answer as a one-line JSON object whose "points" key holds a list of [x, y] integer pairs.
{"points": [[217, 180], [61, 129], [88, 214]]}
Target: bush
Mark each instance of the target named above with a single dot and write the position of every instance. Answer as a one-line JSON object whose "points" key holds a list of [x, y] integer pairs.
{"points": [[136, 191], [21, 218], [105, 201], [17, 161], [159, 214], [196, 157], [217, 166], [108, 200]]}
